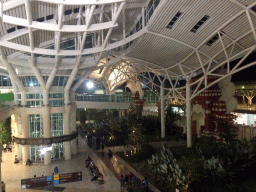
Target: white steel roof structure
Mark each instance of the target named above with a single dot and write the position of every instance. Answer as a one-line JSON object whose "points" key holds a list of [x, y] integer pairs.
{"points": [[42, 37], [174, 39]]}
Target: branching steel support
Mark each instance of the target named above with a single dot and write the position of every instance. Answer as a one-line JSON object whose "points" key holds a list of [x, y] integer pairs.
{"points": [[162, 111], [188, 114]]}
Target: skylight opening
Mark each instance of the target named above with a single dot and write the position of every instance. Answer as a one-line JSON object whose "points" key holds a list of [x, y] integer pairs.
{"points": [[254, 8], [213, 39], [174, 20], [49, 17], [68, 12], [76, 10], [40, 19], [11, 30], [20, 27], [200, 23]]}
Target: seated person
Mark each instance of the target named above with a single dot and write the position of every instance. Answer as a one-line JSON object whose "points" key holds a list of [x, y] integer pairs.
{"points": [[96, 174], [28, 162], [3, 186], [92, 166], [16, 159], [100, 179]]}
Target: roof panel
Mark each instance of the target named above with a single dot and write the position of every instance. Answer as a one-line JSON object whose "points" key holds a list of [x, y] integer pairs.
{"points": [[219, 11], [159, 50]]}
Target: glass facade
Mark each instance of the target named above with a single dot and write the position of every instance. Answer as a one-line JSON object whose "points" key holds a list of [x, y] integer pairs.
{"points": [[56, 124], [58, 80], [34, 100], [5, 81], [35, 153], [35, 125], [56, 103], [29, 81], [57, 151], [56, 99]]}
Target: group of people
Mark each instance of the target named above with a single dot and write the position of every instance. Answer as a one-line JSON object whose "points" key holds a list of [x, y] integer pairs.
{"points": [[94, 170], [7, 147], [128, 181]]}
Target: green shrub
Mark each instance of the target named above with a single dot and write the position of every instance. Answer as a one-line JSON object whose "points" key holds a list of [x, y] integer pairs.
{"points": [[144, 153]]}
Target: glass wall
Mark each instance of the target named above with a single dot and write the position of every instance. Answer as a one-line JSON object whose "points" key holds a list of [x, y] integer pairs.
{"points": [[57, 151], [35, 125], [58, 80], [29, 81], [56, 124], [35, 153], [34, 100], [5, 81], [56, 99], [57, 130]]}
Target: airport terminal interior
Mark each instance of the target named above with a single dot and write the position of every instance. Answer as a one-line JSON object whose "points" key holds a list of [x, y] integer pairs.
{"points": [[62, 58]]}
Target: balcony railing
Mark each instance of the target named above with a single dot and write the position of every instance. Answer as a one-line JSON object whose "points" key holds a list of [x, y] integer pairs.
{"points": [[120, 98]]}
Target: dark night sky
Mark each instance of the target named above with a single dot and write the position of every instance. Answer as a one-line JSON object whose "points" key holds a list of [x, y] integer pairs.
{"points": [[248, 74]]}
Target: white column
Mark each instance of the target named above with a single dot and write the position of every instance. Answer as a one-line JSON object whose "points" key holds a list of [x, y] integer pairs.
{"points": [[67, 144], [15, 93], [162, 111], [188, 114], [73, 128], [25, 154], [47, 132], [46, 97], [25, 134], [23, 99], [16, 133]]}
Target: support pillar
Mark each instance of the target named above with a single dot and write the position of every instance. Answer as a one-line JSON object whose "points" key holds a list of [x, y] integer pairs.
{"points": [[47, 132], [162, 111], [23, 99], [67, 144], [25, 134], [188, 114], [15, 123], [47, 158], [73, 128], [25, 154]]}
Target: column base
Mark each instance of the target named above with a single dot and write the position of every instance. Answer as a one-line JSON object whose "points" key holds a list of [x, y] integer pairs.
{"points": [[47, 158], [67, 150], [74, 146], [25, 154]]}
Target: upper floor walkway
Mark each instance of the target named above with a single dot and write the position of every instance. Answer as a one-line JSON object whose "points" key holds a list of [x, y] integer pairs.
{"points": [[116, 101]]}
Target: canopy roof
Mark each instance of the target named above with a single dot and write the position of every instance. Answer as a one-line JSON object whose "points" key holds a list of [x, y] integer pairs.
{"points": [[172, 38]]}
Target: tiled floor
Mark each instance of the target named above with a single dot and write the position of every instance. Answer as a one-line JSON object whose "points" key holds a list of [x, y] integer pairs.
{"points": [[13, 173]]}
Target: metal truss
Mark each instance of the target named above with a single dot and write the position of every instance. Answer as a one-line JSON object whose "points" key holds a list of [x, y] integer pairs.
{"points": [[212, 66]]}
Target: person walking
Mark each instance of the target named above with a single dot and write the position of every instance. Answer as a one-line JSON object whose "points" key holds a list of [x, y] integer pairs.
{"points": [[131, 180], [122, 183], [146, 184], [5, 147], [126, 180], [9, 147]]}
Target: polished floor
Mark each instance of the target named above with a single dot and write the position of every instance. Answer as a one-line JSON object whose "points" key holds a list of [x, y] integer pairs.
{"points": [[13, 173]]}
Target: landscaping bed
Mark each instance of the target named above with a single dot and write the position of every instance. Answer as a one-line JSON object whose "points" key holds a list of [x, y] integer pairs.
{"points": [[208, 166]]}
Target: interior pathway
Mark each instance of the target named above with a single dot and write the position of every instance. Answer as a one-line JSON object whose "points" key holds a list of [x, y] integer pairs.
{"points": [[13, 173]]}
